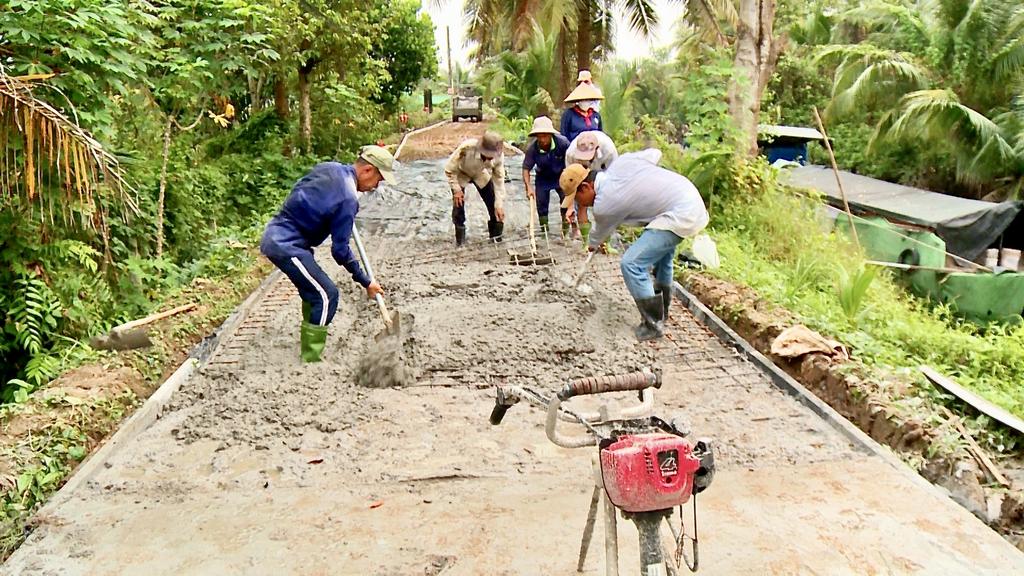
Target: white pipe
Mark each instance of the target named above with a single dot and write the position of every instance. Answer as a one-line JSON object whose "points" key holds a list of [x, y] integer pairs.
{"points": [[401, 144]]}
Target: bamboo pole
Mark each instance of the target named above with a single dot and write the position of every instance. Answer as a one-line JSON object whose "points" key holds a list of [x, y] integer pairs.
{"points": [[835, 170]]}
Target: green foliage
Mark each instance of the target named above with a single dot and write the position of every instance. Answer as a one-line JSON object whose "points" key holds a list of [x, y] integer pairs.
{"points": [[519, 79], [852, 287], [943, 76], [406, 46], [96, 49]]}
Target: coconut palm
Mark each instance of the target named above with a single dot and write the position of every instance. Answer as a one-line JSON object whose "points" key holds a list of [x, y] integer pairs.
{"points": [[584, 27], [944, 74]]}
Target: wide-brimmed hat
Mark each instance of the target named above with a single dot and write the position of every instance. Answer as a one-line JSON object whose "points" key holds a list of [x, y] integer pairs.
{"points": [[570, 181], [584, 76], [584, 92], [586, 145], [382, 160], [491, 144], [542, 125]]}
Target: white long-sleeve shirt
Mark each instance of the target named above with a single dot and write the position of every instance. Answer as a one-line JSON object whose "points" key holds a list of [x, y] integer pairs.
{"points": [[637, 192]]}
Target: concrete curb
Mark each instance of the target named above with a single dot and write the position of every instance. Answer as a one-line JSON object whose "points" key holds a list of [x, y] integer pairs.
{"points": [[788, 384], [152, 408]]}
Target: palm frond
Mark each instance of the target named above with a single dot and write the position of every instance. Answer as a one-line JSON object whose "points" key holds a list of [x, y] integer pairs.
{"points": [[50, 144], [643, 19], [867, 74], [886, 17], [938, 116]]}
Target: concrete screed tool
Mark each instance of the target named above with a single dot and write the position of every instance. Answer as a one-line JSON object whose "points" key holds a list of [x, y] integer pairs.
{"points": [[392, 321]]}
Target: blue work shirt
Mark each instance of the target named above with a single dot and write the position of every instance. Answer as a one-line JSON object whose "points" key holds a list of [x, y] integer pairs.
{"points": [[324, 202], [574, 122], [549, 163]]}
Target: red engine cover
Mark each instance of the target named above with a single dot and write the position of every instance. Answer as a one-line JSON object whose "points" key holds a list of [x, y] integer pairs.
{"points": [[646, 472]]}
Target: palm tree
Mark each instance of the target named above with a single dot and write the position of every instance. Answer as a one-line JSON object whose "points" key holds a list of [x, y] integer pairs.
{"points": [[947, 75], [583, 29]]}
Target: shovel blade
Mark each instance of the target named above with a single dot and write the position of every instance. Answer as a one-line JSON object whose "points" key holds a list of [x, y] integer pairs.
{"points": [[392, 328]]}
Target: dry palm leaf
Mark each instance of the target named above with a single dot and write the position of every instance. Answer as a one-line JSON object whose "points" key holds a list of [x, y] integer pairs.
{"points": [[49, 159]]}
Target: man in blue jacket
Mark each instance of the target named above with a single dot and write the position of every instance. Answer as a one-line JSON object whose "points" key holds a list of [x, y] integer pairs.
{"points": [[323, 203]]}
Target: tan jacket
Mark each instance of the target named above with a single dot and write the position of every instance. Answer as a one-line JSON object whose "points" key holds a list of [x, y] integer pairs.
{"points": [[465, 165]]}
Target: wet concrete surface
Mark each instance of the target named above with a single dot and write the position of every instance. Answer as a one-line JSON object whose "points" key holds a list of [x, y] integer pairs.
{"points": [[269, 466]]}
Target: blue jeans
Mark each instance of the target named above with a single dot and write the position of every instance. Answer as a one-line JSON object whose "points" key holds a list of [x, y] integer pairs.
{"points": [[653, 249]]}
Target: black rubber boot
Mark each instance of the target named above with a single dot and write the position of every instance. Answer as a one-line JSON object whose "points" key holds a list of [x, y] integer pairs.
{"points": [[496, 229], [666, 295], [460, 235], [652, 318]]}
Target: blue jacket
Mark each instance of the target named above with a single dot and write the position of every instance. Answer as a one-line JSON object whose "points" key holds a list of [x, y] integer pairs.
{"points": [[549, 163], [573, 122], [324, 202]]}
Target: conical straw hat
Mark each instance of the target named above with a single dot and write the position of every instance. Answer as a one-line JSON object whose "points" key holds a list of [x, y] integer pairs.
{"points": [[584, 92]]}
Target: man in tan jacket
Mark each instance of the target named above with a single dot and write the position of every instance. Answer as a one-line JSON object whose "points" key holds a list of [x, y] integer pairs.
{"points": [[480, 162]]}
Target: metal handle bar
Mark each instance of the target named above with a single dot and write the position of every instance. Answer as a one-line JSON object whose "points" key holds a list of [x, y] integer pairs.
{"points": [[571, 441], [602, 384], [506, 396]]}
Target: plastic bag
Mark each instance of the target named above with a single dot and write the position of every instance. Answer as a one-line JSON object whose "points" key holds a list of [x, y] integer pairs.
{"points": [[705, 250]]}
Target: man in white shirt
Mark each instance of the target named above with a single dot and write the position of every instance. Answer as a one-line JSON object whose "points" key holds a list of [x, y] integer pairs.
{"points": [[636, 191]]}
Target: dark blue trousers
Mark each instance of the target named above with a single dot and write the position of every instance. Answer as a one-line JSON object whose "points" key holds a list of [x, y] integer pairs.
{"points": [[315, 286]]}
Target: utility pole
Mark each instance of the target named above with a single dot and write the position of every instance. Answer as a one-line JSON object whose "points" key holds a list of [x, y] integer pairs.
{"points": [[451, 79]]}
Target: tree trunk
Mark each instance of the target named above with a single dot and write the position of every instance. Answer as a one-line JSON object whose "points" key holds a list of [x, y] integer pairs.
{"points": [[584, 36], [757, 53], [256, 87], [280, 98], [163, 188], [563, 85], [305, 123]]}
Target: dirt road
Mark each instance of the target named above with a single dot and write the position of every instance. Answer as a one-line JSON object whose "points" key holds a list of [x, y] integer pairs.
{"points": [[267, 466]]}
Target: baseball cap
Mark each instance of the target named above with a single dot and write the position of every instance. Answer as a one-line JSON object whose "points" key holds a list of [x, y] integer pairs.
{"points": [[586, 145], [382, 160], [570, 180]]}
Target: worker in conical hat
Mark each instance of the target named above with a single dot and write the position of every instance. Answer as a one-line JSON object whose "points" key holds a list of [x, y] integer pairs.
{"points": [[582, 115]]}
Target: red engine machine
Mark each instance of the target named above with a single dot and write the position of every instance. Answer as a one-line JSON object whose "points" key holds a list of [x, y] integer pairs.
{"points": [[648, 472]]}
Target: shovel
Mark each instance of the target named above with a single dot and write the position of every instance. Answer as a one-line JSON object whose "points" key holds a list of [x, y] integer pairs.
{"points": [[575, 283], [392, 321], [131, 335]]}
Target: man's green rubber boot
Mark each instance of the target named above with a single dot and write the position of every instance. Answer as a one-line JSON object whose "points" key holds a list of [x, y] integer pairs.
{"points": [[566, 229], [585, 232], [307, 309], [313, 338], [543, 225]]}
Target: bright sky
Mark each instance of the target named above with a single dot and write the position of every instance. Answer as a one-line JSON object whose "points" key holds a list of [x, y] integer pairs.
{"points": [[628, 45]]}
